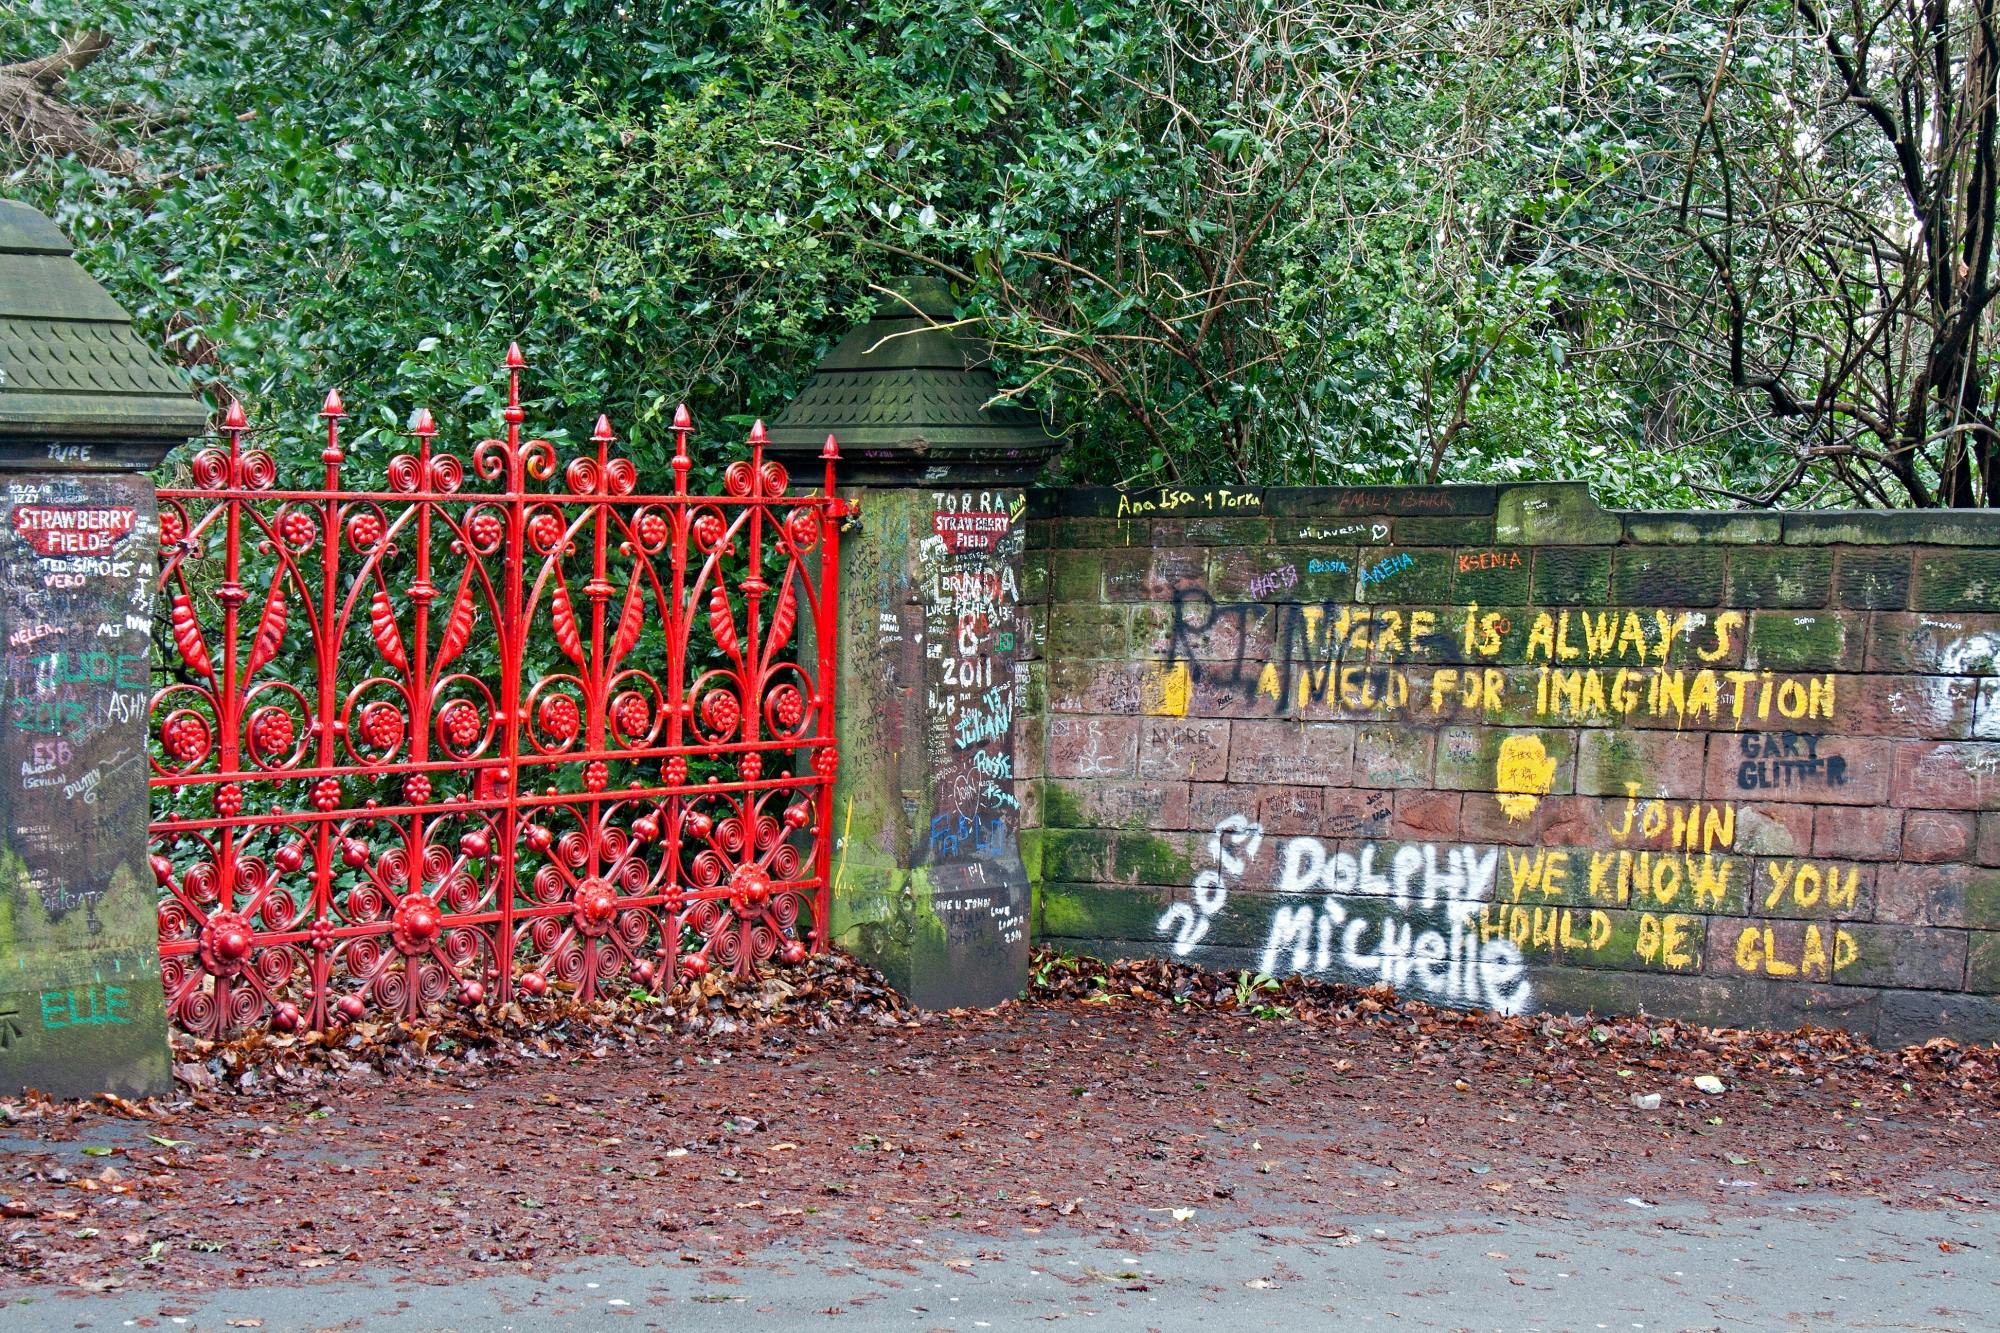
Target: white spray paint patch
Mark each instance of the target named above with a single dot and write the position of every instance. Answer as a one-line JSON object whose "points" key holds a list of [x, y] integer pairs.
{"points": [[1407, 917], [1975, 653], [1233, 846]]}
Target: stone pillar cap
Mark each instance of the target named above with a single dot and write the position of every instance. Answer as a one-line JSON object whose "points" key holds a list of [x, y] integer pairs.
{"points": [[910, 399], [78, 388]]}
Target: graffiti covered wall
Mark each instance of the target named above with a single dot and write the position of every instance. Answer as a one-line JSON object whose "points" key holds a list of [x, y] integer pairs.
{"points": [[1501, 748]]}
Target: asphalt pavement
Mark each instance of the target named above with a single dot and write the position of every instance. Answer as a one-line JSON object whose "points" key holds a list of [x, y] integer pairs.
{"points": [[1832, 1264]]}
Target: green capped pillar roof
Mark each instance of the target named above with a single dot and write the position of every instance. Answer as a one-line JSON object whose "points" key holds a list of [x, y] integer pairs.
{"points": [[909, 399], [76, 383]]}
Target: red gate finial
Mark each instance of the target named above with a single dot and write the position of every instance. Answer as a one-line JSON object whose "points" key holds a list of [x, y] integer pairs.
{"points": [[683, 427]]}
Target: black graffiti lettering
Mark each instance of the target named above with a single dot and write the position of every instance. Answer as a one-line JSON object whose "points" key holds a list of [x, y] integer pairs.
{"points": [[1180, 643], [1777, 774], [1318, 650], [1779, 745], [1780, 759], [1187, 636]]}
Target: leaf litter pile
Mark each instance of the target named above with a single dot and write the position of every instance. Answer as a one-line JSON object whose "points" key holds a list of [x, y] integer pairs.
{"points": [[1133, 1099]]}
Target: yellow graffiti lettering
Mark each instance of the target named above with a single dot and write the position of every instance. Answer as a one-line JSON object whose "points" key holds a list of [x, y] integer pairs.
{"points": [[1666, 880], [1741, 681], [1667, 695], [1671, 627], [1704, 699], [1700, 828], [1542, 637], [1749, 949], [1664, 940], [1812, 954], [1599, 633], [1773, 966], [1357, 687], [1423, 624], [1646, 944], [1780, 875], [1481, 634], [1710, 876], [1556, 879], [1484, 689], [1653, 822], [1567, 692], [1823, 952], [1565, 650], [1601, 866], [1674, 931], [1389, 632], [1526, 872], [1805, 885], [1592, 702], [1352, 627], [1724, 626], [1443, 681], [1546, 930], [1677, 694], [1625, 692]]}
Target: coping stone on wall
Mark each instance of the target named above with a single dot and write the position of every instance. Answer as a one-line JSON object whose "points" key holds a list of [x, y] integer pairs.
{"points": [[1114, 502], [1894, 527], [1142, 502], [1556, 513], [1676, 527], [1396, 501]]}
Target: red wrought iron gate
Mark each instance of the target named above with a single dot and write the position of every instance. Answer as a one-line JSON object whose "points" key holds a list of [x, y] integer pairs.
{"points": [[462, 737]]}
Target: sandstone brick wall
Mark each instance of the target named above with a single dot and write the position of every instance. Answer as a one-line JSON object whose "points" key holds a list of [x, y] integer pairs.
{"points": [[1503, 748]]}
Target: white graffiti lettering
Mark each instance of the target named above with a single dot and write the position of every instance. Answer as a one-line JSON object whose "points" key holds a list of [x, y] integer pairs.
{"points": [[1407, 917]]}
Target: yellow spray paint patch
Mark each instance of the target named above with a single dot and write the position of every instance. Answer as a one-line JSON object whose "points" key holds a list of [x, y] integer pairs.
{"points": [[846, 826], [1522, 775], [1167, 693]]}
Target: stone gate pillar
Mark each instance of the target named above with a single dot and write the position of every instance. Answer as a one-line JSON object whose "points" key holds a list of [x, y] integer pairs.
{"points": [[928, 880], [86, 409]]}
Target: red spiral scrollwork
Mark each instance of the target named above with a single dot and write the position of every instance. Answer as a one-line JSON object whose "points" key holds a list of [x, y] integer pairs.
{"points": [[485, 732]]}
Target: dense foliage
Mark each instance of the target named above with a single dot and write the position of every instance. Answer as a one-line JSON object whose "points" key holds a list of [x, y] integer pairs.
{"points": [[1331, 240]]}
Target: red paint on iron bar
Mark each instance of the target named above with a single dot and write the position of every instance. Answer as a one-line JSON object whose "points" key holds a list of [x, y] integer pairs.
{"points": [[970, 532], [61, 530]]}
